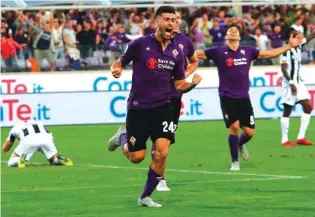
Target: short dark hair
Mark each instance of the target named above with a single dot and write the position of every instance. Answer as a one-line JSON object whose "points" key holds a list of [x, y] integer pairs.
{"points": [[233, 25], [290, 31], [165, 9]]}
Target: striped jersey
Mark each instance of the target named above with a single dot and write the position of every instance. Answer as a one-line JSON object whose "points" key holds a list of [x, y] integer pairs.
{"points": [[24, 129], [292, 58]]}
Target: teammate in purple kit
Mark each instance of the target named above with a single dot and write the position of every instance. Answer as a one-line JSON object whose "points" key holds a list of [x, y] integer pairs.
{"points": [[156, 61], [233, 62], [186, 45]]}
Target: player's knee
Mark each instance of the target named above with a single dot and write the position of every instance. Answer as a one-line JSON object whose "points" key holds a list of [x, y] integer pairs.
{"points": [[137, 157], [308, 109], [160, 155], [249, 133], [287, 110], [234, 128]]}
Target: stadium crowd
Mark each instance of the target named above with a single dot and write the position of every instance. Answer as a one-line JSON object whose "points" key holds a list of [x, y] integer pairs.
{"points": [[95, 38]]}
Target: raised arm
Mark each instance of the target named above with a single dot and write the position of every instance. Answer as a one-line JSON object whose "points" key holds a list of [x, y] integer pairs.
{"points": [[192, 66], [201, 54], [293, 42]]}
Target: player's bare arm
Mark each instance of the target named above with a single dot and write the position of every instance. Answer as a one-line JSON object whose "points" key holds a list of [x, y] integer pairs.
{"points": [[116, 68], [192, 66], [201, 54], [293, 42], [284, 69], [7, 146], [184, 87]]}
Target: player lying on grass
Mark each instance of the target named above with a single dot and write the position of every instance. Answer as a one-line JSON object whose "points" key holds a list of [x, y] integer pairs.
{"points": [[295, 92], [156, 61], [233, 62], [33, 137]]}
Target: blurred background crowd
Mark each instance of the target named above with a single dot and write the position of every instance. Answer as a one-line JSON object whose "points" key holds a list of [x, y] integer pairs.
{"points": [[93, 39]]}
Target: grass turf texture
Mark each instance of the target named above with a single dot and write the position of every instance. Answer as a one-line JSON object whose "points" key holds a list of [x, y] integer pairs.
{"points": [[93, 189]]}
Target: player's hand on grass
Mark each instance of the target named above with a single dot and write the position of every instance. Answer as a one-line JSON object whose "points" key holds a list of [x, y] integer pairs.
{"points": [[293, 89], [116, 72], [196, 79], [296, 41]]}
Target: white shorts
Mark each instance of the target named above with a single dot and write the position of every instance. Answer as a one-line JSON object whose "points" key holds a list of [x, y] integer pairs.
{"points": [[37, 142], [291, 99]]}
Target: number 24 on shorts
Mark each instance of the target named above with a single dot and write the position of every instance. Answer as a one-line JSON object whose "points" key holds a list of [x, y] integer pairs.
{"points": [[171, 127]]}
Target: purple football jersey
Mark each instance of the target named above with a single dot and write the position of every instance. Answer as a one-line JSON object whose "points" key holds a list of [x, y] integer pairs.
{"points": [[233, 68], [186, 45], [153, 70]]}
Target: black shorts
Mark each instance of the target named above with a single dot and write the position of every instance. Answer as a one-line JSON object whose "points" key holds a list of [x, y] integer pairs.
{"points": [[154, 123], [176, 106], [234, 109]]}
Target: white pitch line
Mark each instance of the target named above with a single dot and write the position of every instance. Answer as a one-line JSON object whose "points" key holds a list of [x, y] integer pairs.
{"points": [[136, 185], [185, 171], [195, 171]]}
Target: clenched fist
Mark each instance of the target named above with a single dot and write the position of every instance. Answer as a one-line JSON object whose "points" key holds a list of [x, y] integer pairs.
{"points": [[116, 72], [196, 79]]}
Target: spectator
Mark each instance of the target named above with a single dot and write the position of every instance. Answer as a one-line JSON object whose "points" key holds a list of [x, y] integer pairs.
{"points": [[23, 39], [262, 43], [69, 38], [150, 29], [277, 38], [183, 28], [73, 62], [44, 44], [86, 39], [57, 34], [298, 24], [112, 43], [218, 33], [8, 52], [205, 26], [197, 35], [122, 40], [135, 24]]}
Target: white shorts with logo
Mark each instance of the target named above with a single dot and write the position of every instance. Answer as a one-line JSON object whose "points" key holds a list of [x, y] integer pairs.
{"points": [[38, 142], [292, 99]]}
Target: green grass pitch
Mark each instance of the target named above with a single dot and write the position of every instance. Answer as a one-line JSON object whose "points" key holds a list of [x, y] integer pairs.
{"points": [[103, 184]]}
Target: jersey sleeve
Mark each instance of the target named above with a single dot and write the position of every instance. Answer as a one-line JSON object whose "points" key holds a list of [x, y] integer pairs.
{"points": [[254, 53], [131, 52], [179, 70], [12, 135], [191, 48], [211, 54], [284, 58]]}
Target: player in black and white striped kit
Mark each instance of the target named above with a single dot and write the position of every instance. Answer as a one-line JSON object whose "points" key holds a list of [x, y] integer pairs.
{"points": [[33, 137], [295, 92]]}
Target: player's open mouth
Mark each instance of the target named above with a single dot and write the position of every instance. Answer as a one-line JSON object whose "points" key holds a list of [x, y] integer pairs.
{"points": [[168, 32]]}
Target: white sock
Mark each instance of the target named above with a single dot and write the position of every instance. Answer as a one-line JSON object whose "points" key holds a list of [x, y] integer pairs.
{"points": [[305, 120], [285, 123]]}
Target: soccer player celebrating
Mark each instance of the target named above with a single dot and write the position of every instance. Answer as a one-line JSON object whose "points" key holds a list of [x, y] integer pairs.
{"points": [[33, 137], [186, 45], [156, 61], [294, 92], [233, 62]]}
